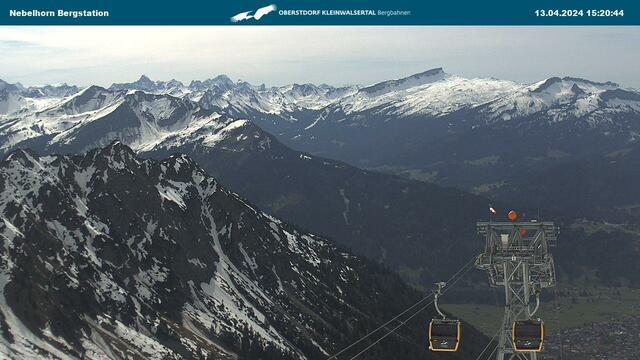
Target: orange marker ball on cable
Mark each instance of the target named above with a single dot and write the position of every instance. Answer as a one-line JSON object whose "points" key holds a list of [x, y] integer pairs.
{"points": [[512, 215]]}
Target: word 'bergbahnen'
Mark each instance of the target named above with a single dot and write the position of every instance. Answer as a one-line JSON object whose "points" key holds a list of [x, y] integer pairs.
{"points": [[59, 13]]}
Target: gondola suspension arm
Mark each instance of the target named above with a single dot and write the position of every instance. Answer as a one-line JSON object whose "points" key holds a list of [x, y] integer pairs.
{"points": [[532, 313], [437, 293]]}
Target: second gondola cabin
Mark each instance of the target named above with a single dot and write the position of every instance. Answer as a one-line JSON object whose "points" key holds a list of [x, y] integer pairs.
{"points": [[528, 335], [444, 335]]}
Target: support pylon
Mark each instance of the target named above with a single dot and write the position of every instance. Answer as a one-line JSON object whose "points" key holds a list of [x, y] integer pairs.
{"points": [[517, 258]]}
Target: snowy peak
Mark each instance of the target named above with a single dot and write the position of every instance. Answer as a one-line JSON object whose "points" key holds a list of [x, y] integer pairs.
{"points": [[546, 84], [15, 98], [115, 154], [5, 86], [594, 83], [145, 84], [563, 98], [244, 98], [24, 157], [577, 90], [554, 91], [241, 97], [161, 107], [144, 79], [143, 120], [58, 90], [432, 93], [620, 100], [435, 93], [620, 94], [422, 78], [222, 82], [304, 90], [557, 85], [11, 101], [61, 90], [87, 100]]}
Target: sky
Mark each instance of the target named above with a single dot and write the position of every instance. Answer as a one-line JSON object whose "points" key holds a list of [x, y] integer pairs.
{"points": [[332, 55]]}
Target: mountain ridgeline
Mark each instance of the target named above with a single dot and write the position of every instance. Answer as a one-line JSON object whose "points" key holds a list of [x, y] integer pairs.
{"points": [[562, 147], [398, 221]]}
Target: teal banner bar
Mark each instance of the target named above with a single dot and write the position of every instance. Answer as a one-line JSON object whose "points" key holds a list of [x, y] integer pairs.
{"points": [[315, 12]]}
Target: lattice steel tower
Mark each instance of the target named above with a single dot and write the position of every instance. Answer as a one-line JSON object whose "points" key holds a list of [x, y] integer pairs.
{"points": [[517, 257]]}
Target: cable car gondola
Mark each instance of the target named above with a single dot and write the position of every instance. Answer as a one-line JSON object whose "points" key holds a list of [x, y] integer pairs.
{"points": [[444, 334], [528, 335]]}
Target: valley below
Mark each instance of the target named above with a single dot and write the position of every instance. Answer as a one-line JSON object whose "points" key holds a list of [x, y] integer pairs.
{"points": [[582, 322]]}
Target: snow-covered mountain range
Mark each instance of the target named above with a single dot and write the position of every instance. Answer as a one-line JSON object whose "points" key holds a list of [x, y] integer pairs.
{"points": [[222, 93], [95, 116], [432, 93], [468, 133], [435, 94], [109, 256], [563, 98], [474, 134], [325, 196]]}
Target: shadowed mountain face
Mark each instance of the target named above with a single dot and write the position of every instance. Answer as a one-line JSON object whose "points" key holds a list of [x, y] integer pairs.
{"points": [[403, 223], [106, 255]]}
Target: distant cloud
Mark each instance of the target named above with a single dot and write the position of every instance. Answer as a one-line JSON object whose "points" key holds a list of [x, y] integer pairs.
{"points": [[335, 55]]}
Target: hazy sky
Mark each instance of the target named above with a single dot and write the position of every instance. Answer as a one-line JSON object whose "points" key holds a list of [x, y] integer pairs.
{"points": [[333, 55]]}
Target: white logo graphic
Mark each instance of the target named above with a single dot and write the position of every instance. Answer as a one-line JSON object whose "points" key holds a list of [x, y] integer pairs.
{"points": [[257, 15]]}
